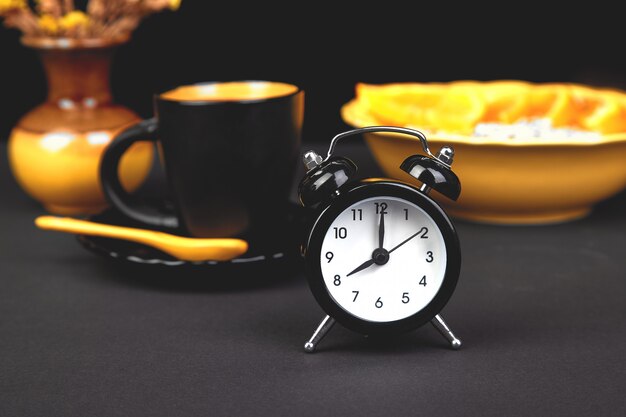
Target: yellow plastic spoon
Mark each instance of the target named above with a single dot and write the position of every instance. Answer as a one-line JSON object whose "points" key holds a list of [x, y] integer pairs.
{"points": [[183, 248]]}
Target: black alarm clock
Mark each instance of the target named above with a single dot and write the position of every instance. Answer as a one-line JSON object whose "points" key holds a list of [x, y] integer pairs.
{"points": [[381, 256]]}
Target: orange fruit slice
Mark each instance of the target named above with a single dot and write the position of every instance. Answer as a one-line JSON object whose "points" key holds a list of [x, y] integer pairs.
{"points": [[458, 106], [540, 99], [608, 116], [561, 106], [458, 110], [399, 104], [585, 102], [505, 101], [590, 109]]}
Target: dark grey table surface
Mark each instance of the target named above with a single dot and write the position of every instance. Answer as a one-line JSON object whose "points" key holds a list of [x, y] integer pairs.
{"points": [[541, 311]]}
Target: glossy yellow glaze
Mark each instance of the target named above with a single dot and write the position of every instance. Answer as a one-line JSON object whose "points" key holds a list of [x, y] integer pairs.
{"points": [[55, 149], [183, 248], [230, 91], [60, 168], [509, 182]]}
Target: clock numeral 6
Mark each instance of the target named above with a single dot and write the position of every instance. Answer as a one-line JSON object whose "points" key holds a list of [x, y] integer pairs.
{"points": [[405, 297], [337, 281], [330, 256], [378, 303], [340, 232]]}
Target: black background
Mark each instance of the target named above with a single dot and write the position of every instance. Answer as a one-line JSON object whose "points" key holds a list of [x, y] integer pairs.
{"points": [[327, 48], [540, 309]]}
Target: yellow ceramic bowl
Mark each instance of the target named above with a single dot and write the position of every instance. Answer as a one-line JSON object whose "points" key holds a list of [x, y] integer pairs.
{"points": [[511, 182]]}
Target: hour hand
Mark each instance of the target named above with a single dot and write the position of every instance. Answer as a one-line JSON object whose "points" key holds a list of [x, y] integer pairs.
{"points": [[361, 267]]}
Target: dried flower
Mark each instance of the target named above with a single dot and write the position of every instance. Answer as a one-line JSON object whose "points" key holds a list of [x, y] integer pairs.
{"points": [[48, 24], [97, 9], [60, 18], [11, 5], [68, 6], [18, 15], [73, 20], [50, 8]]}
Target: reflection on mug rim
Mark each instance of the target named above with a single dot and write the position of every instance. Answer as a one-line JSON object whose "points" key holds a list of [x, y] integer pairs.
{"points": [[247, 91]]}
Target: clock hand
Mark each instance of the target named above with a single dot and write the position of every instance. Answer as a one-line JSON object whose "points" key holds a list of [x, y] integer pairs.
{"points": [[378, 252], [381, 229], [361, 267], [406, 240]]}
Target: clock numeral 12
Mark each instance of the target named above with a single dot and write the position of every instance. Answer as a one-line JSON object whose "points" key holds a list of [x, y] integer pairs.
{"points": [[381, 208]]}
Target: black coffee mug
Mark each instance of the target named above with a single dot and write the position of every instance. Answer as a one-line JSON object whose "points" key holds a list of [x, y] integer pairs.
{"points": [[229, 150]]}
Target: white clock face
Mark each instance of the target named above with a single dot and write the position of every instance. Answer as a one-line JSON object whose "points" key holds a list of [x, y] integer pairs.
{"points": [[388, 284]]}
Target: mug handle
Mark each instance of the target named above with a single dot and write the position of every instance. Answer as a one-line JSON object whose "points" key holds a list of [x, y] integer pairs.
{"points": [[111, 185]]}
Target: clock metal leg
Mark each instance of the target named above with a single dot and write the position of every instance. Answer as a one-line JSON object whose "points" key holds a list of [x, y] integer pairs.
{"points": [[324, 327], [445, 331]]}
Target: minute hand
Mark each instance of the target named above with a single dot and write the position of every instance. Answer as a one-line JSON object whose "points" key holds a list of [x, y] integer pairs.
{"points": [[406, 240], [381, 229]]}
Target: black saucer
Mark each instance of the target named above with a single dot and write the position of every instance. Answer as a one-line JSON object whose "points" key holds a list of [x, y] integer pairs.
{"points": [[281, 245]]}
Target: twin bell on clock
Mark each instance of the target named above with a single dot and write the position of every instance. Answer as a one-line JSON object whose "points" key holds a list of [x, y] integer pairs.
{"points": [[381, 256]]}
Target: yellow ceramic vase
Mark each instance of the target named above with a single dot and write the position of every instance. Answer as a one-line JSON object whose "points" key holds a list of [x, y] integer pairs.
{"points": [[55, 149]]}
